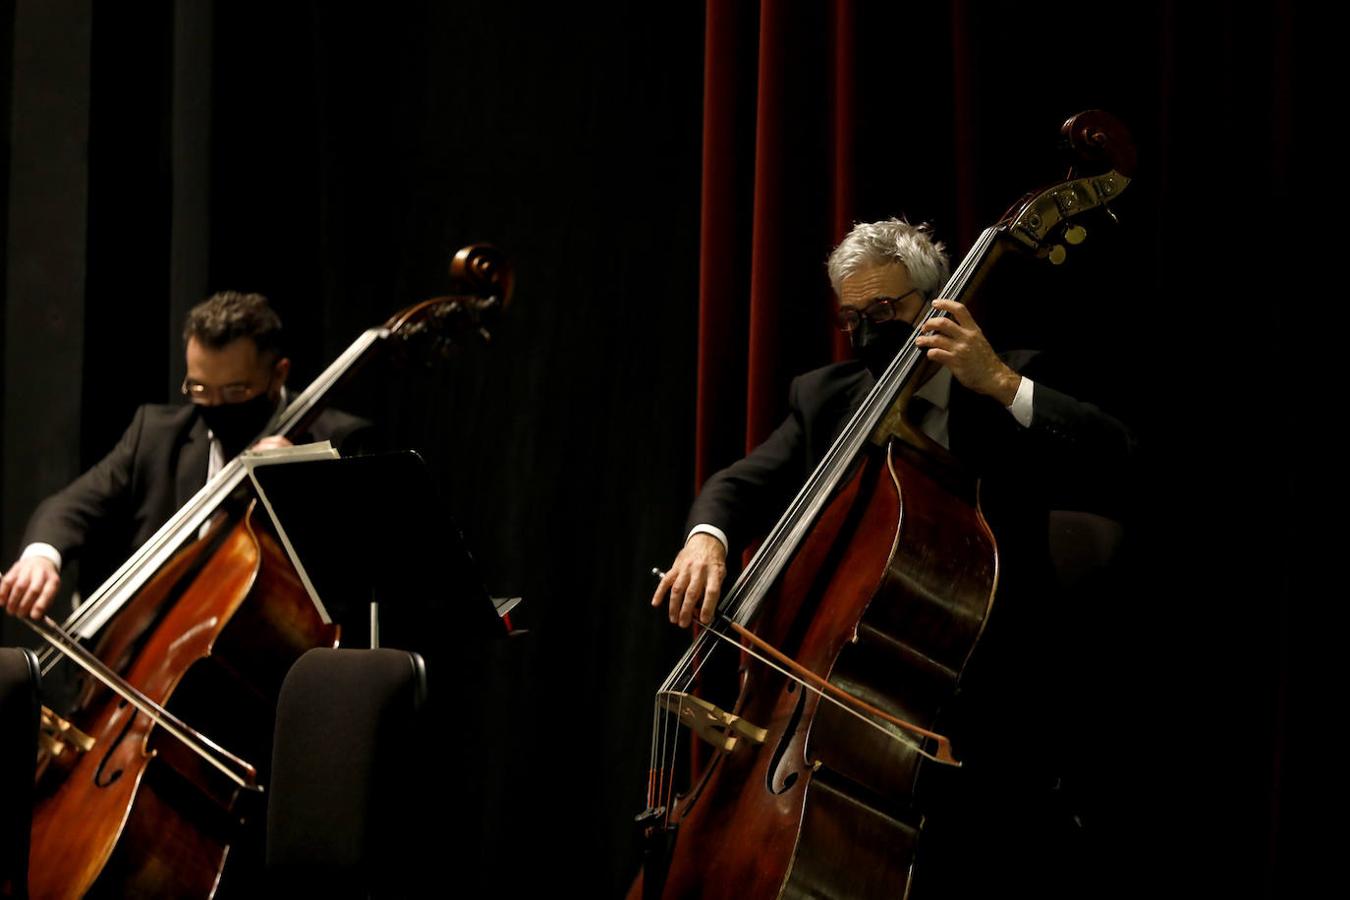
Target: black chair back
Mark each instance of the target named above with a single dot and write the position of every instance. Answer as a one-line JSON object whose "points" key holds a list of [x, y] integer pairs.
{"points": [[20, 713], [346, 763]]}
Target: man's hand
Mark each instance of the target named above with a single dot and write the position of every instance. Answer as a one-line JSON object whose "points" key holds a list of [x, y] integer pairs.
{"points": [[956, 342], [272, 443], [694, 581], [28, 587]]}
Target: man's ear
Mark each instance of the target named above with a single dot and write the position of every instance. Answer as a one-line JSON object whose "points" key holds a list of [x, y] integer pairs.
{"points": [[282, 369]]}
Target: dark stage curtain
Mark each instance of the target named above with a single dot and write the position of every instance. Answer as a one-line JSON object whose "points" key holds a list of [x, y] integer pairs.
{"points": [[668, 180]]}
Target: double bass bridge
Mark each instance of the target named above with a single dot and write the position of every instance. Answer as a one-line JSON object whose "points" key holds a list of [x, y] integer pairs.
{"points": [[56, 735], [716, 726]]}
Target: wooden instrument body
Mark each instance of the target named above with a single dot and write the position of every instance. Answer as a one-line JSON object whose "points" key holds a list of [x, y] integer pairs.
{"points": [[142, 813], [886, 598]]}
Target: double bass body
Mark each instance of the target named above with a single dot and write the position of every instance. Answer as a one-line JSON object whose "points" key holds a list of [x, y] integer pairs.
{"points": [[825, 807], [880, 578], [141, 813]]}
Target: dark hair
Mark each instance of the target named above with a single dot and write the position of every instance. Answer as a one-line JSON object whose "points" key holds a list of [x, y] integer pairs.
{"points": [[230, 315]]}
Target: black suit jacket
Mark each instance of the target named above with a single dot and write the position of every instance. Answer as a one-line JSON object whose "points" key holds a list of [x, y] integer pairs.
{"points": [[159, 463], [1072, 456], [1003, 718], [1069, 458]]}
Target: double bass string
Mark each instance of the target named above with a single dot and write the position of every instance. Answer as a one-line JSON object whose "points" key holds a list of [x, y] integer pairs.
{"points": [[666, 734], [823, 695], [786, 535], [683, 676], [66, 645], [185, 523]]}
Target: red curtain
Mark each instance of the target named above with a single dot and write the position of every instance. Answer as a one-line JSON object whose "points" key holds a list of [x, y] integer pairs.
{"points": [[781, 175], [776, 187]]}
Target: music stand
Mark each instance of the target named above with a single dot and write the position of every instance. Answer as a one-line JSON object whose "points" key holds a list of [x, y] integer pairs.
{"points": [[368, 529]]}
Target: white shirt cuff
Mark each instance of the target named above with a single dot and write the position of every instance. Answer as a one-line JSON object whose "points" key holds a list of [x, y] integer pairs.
{"points": [[46, 551], [712, 530], [1021, 405]]}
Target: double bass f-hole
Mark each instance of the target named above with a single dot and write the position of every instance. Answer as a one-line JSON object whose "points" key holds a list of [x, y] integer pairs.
{"points": [[783, 774], [101, 777]]}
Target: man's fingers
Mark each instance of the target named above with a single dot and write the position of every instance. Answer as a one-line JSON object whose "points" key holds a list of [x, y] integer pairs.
{"points": [[939, 325], [688, 608], [677, 594], [691, 588], [713, 594], [37, 584], [710, 598], [19, 599], [45, 598], [955, 310], [693, 597], [662, 587], [697, 580], [936, 342]]}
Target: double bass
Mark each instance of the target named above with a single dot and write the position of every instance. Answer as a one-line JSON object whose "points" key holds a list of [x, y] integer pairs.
{"points": [[144, 786], [855, 620]]}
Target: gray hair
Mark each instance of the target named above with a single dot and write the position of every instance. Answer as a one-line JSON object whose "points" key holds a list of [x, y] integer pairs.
{"points": [[892, 241]]}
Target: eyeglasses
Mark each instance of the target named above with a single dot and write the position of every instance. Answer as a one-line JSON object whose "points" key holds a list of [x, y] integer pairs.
{"points": [[879, 310], [230, 393]]}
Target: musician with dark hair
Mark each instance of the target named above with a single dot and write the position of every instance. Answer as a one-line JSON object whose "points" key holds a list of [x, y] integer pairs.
{"points": [[236, 378]]}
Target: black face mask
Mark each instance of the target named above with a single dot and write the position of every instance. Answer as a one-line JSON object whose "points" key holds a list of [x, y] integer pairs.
{"points": [[875, 345], [237, 424]]}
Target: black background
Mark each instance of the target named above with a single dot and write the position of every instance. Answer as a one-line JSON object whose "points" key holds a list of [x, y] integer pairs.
{"points": [[346, 152]]}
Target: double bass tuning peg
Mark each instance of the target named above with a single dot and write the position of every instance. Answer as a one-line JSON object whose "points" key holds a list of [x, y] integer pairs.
{"points": [[1073, 236]]}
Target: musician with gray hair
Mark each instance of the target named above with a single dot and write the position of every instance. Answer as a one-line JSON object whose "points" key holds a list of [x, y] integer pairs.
{"points": [[1036, 449], [884, 274]]}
